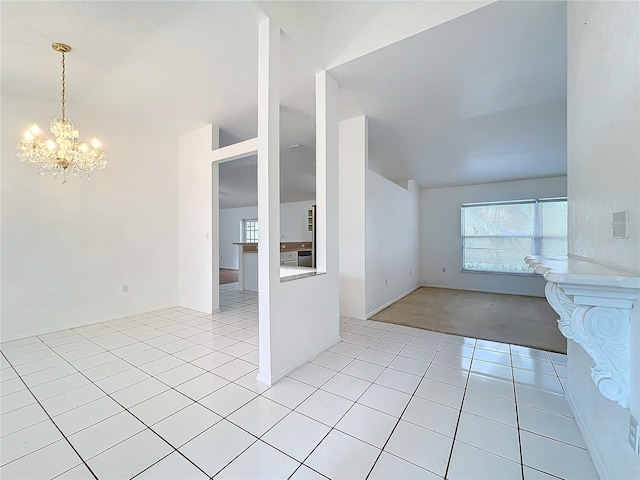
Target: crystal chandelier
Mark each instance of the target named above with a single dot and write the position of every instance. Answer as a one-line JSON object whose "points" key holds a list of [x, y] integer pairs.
{"points": [[67, 155]]}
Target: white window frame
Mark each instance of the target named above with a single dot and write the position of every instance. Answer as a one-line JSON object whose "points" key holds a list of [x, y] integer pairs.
{"points": [[250, 235], [536, 237]]}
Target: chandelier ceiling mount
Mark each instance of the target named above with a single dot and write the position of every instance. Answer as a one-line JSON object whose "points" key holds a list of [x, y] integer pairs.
{"points": [[61, 47]]}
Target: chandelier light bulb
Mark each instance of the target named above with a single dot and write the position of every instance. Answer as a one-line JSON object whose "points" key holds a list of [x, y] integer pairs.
{"points": [[67, 154]]}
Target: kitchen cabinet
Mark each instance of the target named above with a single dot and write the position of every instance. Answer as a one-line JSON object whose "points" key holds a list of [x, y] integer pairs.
{"points": [[289, 259], [311, 219]]}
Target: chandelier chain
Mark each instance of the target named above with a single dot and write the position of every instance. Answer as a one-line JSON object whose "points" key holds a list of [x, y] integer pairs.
{"points": [[63, 86]]}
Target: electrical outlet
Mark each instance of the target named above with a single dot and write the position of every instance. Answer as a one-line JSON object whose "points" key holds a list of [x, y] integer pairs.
{"points": [[634, 435], [125, 288], [444, 269], [386, 281]]}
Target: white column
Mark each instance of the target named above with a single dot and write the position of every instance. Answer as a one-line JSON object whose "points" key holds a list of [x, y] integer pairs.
{"points": [[268, 186], [326, 148], [298, 319], [215, 227], [353, 169]]}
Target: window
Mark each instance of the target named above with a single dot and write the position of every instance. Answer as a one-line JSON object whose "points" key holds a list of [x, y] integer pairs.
{"points": [[250, 229], [497, 236]]}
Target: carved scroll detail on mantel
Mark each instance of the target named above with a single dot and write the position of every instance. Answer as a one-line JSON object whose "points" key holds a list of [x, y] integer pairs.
{"points": [[594, 312], [563, 306], [604, 334]]}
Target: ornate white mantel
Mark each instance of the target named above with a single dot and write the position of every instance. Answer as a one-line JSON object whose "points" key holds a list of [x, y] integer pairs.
{"points": [[594, 304]]}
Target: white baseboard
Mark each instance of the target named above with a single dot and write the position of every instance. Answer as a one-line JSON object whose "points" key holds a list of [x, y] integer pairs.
{"points": [[213, 310], [43, 331], [82, 323], [390, 302], [273, 379], [263, 379], [591, 446]]}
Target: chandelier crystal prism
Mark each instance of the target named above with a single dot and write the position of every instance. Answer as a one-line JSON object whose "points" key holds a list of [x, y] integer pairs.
{"points": [[66, 155]]}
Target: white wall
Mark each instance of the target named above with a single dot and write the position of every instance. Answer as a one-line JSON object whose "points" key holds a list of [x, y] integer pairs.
{"points": [[68, 249], [352, 168], [293, 227], [378, 229], [198, 220], [231, 231], [293, 221], [604, 177], [392, 253], [440, 236], [604, 146]]}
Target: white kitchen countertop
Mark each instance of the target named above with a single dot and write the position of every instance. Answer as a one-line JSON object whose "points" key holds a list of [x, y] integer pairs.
{"points": [[294, 273]]}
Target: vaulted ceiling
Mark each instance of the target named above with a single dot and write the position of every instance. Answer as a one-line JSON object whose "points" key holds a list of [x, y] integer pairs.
{"points": [[477, 99]]}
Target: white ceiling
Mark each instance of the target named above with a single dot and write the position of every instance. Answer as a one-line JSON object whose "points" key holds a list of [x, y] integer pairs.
{"points": [[172, 66], [178, 65], [480, 98]]}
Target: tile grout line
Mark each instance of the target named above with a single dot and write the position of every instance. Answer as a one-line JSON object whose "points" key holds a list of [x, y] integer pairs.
{"points": [[515, 401], [54, 424], [124, 409], [175, 449], [138, 366], [226, 417], [257, 393], [109, 395], [193, 438], [332, 428], [412, 396], [234, 381], [398, 421], [455, 432], [170, 388]]}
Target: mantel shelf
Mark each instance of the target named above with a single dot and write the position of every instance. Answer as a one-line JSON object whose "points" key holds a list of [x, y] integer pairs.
{"points": [[594, 303], [581, 272]]}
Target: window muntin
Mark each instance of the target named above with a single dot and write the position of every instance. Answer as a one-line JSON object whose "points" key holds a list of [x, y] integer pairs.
{"points": [[497, 236], [250, 230]]}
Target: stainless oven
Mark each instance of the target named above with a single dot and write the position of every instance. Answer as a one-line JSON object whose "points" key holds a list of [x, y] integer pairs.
{"points": [[304, 258]]}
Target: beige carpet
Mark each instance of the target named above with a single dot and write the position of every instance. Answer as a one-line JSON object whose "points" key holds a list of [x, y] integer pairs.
{"points": [[516, 319]]}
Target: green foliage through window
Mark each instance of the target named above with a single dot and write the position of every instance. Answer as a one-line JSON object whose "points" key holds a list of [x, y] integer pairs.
{"points": [[497, 236]]}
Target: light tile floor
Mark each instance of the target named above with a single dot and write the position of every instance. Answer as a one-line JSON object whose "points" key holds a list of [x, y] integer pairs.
{"points": [[172, 394]]}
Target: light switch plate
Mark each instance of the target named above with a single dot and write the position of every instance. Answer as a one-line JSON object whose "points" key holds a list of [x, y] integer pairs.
{"points": [[619, 222]]}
